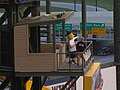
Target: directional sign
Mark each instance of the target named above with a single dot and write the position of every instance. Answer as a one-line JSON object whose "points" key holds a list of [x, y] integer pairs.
{"points": [[90, 26], [99, 31], [94, 28], [67, 26], [75, 27]]}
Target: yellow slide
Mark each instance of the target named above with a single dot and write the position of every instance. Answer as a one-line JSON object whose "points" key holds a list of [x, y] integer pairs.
{"points": [[29, 85], [45, 88]]}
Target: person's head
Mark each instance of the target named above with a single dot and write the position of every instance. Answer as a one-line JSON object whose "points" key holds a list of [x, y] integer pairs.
{"points": [[70, 35], [83, 38]]}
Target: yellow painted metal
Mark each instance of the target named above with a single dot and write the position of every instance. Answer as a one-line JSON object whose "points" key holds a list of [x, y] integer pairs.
{"points": [[92, 69], [87, 83], [29, 84], [88, 76], [45, 88]]}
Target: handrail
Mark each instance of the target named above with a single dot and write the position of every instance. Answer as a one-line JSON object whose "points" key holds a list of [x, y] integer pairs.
{"points": [[86, 56]]}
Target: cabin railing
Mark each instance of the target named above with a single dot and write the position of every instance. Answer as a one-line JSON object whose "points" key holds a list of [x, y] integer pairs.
{"points": [[86, 57]]}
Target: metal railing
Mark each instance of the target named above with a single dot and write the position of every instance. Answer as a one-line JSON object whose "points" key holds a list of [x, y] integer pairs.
{"points": [[86, 57]]}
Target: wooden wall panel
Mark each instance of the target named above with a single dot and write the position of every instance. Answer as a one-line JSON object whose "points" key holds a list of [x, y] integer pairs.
{"points": [[48, 48], [36, 63], [30, 62]]}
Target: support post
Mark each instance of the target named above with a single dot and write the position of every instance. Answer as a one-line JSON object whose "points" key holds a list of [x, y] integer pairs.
{"points": [[63, 31], [48, 11], [96, 5], [75, 5], [54, 34], [84, 18], [117, 40]]}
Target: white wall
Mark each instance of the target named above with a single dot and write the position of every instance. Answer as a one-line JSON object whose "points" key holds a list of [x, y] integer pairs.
{"points": [[109, 79], [79, 83]]}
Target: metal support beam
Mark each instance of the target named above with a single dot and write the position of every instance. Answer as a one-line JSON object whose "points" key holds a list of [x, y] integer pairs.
{"points": [[10, 15], [35, 31], [7, 58], [35, 41], [84, 18], [63, 31], [43, 80], [0, 48], [35, 9], [26, 12], [68, 82], [117, 40], [13, 82], [20, 84], [54, 34], [2, 5], [36, 83], [73, 82], [4, 84], [3, 18], [12, 19], [96, 5], [49, 32], [75, 5], [48, 5], [48, 11]]}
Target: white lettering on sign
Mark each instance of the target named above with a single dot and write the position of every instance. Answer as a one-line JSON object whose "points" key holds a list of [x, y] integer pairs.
{"points": [[59, 86], [87, 54]]}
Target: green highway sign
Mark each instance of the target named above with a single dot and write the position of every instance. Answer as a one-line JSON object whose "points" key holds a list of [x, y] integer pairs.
{"points": [[67, 26], [90, 26]]}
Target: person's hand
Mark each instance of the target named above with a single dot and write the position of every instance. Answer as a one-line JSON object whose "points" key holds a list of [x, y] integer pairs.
{"points": [[76, 42]]}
